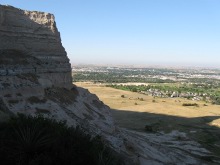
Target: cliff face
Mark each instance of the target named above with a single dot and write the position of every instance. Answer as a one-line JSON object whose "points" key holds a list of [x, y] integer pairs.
{"points": [[35, 78], [30, 43], [35, 74]]}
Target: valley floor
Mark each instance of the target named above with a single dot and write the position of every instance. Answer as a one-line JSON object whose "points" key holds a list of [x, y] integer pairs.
{"points": [[138, 111]]}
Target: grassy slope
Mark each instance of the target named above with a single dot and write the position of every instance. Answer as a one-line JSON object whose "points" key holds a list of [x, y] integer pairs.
{"points": [[167, 106]]}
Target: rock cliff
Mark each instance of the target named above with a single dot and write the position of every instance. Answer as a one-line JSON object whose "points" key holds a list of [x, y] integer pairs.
{"points": [[30, 43], [35, 78]]}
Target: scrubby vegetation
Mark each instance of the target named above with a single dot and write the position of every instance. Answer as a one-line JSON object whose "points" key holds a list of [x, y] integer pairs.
{"points": [[205, 92], [26, 140], [190, 104]]}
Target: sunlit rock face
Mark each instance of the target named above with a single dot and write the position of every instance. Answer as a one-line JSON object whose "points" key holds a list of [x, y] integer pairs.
{"points": [[30, 43]]}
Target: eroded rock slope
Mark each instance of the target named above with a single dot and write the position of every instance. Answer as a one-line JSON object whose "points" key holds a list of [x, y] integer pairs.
{"points": [[35, 78]]}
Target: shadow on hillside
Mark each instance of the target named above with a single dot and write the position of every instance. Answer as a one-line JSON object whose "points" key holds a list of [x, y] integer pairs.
{"points": [[197, 128]]}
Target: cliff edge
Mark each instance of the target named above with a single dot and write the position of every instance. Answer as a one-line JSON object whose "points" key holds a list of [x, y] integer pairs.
{"points": [[35, 78], [30, 43]]}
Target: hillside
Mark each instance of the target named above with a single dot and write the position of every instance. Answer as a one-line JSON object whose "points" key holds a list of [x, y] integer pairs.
{"points": [[139, 112], [35, 78]]}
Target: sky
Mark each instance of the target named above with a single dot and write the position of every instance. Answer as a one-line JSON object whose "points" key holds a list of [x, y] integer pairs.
{"points": [[136, 32]]}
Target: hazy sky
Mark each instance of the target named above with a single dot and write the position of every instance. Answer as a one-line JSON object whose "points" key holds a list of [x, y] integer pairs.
{"points": [[146, 32]]}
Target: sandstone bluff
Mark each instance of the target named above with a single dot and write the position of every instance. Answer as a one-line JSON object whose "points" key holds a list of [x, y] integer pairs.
{"points": [[35, 77]]}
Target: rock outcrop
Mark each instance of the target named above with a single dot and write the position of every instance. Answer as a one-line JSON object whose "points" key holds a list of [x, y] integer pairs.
{"points": [[30, 43], [35, 78]]}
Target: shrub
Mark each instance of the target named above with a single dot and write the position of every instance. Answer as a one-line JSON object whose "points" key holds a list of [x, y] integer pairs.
{"points": [[27, 140], [148, 128], [134, 89], [190, 104]]}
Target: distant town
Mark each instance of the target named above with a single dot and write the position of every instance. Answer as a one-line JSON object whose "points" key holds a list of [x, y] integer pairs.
{"points": [[195, 84]]}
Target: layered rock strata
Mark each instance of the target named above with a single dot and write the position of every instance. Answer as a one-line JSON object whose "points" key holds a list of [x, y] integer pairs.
{"points": [[30, 43], [35, 78]]}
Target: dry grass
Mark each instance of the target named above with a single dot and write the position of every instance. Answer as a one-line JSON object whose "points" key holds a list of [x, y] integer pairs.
{"points": [[161, 106], [201, 123]]}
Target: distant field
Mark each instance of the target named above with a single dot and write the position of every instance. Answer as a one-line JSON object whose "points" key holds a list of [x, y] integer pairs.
{"points": [[135, 111], [166, 106]]}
